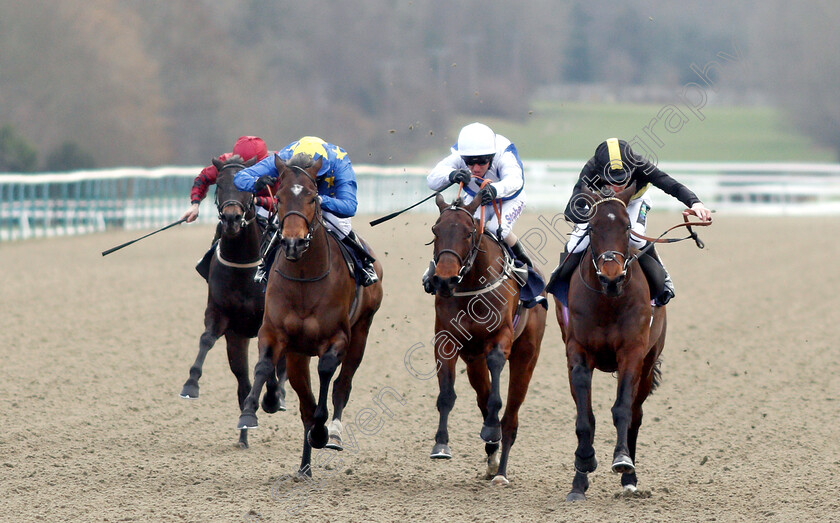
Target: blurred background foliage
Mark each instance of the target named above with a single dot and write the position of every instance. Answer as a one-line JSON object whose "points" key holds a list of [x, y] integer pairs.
{"points": [[102, 83]]}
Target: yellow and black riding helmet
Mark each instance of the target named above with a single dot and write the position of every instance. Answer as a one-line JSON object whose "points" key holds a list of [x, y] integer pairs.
{"points": [[616, 162]]}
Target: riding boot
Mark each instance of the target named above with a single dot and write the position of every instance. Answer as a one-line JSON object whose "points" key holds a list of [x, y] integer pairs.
{"points": [[203, 265], [668, 292], [558, 284], [427, 279], [269, 250], [368, 272], [521, 254]]}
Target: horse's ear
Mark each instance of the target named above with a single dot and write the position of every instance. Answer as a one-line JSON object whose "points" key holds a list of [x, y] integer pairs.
{"points": [[279, 163], [627, 193], [440, 202], [316, 166], [473, 205], [250, 162], [217, 163]]}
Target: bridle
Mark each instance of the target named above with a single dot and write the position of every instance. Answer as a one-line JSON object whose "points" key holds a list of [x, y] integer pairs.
{"points": [[610, 256], [245, 210], [312, 226], [466, 263]]}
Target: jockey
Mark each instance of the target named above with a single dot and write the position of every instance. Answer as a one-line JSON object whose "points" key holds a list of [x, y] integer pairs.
{"points": [[615, 164], [481, 153], [337, 191], [246, 147]]}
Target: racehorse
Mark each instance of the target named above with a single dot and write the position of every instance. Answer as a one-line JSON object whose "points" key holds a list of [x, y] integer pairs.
{"points": [[479, 317], [610, 325], [234, 301], [313, 308]]}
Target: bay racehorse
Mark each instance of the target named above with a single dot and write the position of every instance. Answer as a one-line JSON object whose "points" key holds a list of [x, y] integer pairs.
{"points": [[313, 308], [234, 301], [610, 325], [478, 317]]}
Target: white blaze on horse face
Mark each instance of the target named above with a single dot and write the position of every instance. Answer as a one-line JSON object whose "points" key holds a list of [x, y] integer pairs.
{"points": [[611, 216], [296, 189]]}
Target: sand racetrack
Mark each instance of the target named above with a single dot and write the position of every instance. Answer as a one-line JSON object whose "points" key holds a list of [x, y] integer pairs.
{"points": [[745, 427]]}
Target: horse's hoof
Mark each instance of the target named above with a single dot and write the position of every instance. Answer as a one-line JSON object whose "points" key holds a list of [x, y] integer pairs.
{"points": [[441, 451], [623, 464], [189, 392], [585, 466], [302, 475], [272, 405], [247, 422], [334, 443], [630, 488], [318, 436], [500, 481], [491, 435], [575, 496], [243, 445]]}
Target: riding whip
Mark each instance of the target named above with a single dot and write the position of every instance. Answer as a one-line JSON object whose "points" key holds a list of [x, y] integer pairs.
{"points": [[126, 244], [395, 214]]}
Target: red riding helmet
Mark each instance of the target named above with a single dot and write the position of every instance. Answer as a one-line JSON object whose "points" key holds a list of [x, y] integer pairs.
{"points": [[250, 146]]}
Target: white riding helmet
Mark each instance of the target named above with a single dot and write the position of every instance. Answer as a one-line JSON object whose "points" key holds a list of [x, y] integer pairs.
{"points": [[476, 139]]}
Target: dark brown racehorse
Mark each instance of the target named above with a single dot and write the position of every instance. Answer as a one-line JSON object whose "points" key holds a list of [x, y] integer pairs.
{"points": [[476, 307], [313, 308], [234, 301], [610, 326]]}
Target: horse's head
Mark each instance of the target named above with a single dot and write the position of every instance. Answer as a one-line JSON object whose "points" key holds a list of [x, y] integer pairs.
{"points": [[609, 238], [456, 243], [298, 203], [236, 208]]}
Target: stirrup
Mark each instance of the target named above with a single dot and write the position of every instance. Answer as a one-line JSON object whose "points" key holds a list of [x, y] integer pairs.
{"points": [[261, 276], [664, 297], [369, 276]]}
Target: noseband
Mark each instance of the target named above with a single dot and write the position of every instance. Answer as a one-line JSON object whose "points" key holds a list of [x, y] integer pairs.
{"points": [[245, 210], [467, 264]]}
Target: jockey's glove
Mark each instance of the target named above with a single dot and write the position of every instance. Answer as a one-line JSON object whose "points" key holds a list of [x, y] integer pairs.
{"points": [[460, 176], [487, 194], [263, 182]]}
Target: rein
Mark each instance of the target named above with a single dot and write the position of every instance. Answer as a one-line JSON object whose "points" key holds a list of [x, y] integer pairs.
{"points": [[467, 265], [497, 206]]}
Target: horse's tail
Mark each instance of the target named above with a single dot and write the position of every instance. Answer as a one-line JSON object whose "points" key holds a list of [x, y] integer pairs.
{"points": [[657, 375]]}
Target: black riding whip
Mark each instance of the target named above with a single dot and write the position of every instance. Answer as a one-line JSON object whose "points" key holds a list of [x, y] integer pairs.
{"points": [[395, 214], [126, 244]]}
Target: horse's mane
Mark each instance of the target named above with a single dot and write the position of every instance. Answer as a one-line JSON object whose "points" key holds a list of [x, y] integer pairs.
{"points": [[234, 159], [302, 160]]}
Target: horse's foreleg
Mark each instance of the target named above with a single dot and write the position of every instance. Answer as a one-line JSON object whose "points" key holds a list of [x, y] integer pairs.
{"points": [[262, 371], [628, 387], [523, 360], [237, 352], [214, 326], [445, 402], [297, 367], [491, 432], [580, 379], [327, 365], [628, 479], [344, 383]]}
